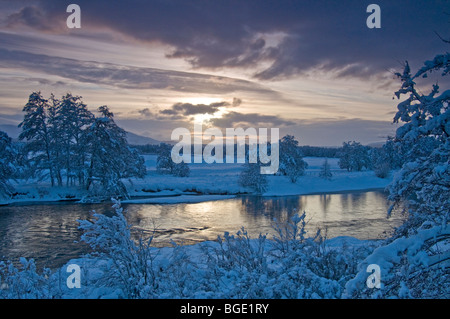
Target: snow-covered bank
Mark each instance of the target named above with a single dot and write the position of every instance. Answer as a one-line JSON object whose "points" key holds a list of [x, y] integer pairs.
{"points": [[218, 181]]}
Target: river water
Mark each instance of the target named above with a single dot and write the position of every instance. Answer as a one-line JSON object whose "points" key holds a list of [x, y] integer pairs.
{"points": [[49, 233]]}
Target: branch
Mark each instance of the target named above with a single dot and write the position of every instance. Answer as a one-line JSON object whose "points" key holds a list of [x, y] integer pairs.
{"points": [[446, 41]]}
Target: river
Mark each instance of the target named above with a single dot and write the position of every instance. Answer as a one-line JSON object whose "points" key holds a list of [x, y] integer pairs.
{"points": [[49, 232]]}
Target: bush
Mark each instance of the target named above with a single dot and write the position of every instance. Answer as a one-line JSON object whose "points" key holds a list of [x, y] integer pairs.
{"points": [[252, 178], [132, 263], [382, 170]]}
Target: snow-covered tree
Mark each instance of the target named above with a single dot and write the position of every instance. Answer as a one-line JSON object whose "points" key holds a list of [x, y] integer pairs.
{"points": [[353, 156], [393, 153], [165, 164], [36, 132], [325, 171], [414, 262], [181, 170], [110, 157], [291, 159], [73, 118], [425, 177], [7, 167], [252, 178]]}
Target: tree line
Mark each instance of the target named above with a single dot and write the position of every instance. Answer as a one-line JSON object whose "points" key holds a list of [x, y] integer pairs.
{"points": [[67, 144]]}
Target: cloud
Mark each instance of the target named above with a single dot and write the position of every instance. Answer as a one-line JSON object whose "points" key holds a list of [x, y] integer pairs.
{"points": [[185, 110], [236, 101], [276, 39], [333, 132], [127, 77], [35, 18], [236, 119]]}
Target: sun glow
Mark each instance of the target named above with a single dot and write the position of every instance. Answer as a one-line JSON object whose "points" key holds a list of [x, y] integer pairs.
{"points": [[202, 100]]}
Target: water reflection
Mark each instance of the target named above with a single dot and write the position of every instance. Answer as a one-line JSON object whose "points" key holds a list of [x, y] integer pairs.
{"points": [[48, 233]]}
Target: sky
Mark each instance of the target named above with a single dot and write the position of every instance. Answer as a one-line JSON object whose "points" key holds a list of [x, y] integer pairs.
{"points": [[313, 69]]}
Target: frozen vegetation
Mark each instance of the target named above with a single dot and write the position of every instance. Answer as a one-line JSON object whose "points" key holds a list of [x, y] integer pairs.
{"points": [[413, 263], [211, 181]]}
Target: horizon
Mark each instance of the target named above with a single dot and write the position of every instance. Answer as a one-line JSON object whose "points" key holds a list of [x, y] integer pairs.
{"points": [[314, 70]]}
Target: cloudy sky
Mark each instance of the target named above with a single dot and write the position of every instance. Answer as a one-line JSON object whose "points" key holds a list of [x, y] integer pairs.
{"points": [[311, 68]]}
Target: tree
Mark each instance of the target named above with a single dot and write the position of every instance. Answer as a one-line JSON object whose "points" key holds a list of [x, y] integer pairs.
{"points": [[36, 132], [165, 164], [291, 160], [415, 260], [7, 168], [393, 153], [425, 177], [325, 171], [72, 115], [353, 156], [252, 178], [181, 170], [110, 157]]}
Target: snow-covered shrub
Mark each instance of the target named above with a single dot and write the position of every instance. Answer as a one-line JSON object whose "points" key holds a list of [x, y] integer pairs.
{"points": [[382, 169], [306, 266], [132, 266], [252, 178], [24, 282], [410, 267], [236, 264]]}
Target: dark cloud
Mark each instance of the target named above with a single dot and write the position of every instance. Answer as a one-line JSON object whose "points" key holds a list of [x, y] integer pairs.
{"points": [[185, 110], [127, 77], [33, 17], [236, 119], [146, 112], [236, 101], [291, 37], [192, 109]]}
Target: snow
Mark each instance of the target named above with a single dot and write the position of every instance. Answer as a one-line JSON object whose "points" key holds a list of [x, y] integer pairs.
{"points": [[220, 180], [95, 269]]}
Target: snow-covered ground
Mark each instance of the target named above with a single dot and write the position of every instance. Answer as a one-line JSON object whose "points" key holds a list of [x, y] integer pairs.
{"points": [[211, 181], [235, 266]]}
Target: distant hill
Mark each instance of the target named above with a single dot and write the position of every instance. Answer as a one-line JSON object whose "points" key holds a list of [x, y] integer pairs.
{"points": [[12, 130], [135, 139]]}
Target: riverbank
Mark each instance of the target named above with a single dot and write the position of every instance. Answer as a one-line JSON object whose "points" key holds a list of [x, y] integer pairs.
{"points": [[206, 182]]}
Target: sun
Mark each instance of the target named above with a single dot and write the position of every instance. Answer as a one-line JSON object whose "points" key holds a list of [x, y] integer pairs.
{"points": [[201, 118]]}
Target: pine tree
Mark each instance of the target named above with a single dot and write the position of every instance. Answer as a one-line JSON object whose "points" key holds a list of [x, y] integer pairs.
{"points": [[109, 155], [36, 133], [73, 117], [7, 167], [325, 171], [424, 180]]}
